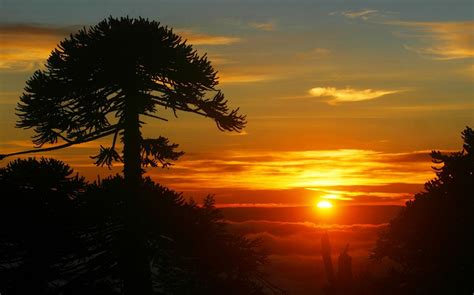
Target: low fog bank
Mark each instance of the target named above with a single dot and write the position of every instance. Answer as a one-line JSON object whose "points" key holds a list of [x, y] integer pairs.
{"points": [[292, 237]]}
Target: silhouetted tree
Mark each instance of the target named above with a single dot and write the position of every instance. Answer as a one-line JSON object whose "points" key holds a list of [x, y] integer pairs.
{"points": [[193, 251], [38, 224], [431, 238], [60, 235], [97, 83]]}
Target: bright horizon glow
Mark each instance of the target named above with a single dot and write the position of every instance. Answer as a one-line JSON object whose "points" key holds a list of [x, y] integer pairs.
{"points": [[336, 197], [316, 121], [324, 204]]}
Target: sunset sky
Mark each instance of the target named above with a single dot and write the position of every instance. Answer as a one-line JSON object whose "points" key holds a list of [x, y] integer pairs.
{"points": [[344, 99]]}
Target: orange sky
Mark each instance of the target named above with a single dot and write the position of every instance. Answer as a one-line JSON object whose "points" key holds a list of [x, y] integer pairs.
{"points": [[342, 99]]}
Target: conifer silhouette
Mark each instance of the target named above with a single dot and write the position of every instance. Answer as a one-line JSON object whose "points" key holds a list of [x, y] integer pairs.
{"points": [[431, 238], [97, 83]]}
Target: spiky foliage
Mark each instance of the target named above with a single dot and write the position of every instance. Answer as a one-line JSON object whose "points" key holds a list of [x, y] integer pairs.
{"points": [[94, 74], [193, 250], [61, 235], [38, 224], [97, 83], [431, 238]]}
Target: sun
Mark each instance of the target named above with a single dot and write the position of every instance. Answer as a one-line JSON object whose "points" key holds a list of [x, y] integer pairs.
{"points": [[324, 204]]}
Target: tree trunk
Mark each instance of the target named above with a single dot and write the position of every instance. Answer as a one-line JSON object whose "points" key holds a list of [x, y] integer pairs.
{"points": [[135, 265]]}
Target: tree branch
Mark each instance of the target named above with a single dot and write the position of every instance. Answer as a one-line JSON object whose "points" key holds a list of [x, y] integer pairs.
{"points": [[156, 117], [62, 137], [158, 101], [68, 144]]}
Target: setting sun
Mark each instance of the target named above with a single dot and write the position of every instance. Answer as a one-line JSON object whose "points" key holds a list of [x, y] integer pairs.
{"points": [[324, 205], [310, 146]]}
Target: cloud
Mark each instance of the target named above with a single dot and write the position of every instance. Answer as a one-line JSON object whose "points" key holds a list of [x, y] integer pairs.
{"points": [[220, 59], [441, 40], [195, 38], [285, 228], [240, 133], [263, 26], [348, 94], [280, 172], [304, 238], [256, 205], [232, 78], [435, 40], [294, 249], [364, 14], [26, 46], [37, 30]]}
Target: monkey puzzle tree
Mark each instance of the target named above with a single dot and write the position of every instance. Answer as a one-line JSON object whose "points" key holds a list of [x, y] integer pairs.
{"points": [[98, 82], [431, 237]]}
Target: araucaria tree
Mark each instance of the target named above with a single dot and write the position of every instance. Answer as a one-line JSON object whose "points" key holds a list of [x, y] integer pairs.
{"points": [[98, 82], [431, 238]]}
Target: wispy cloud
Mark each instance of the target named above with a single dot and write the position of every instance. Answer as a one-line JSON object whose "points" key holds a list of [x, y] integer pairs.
{"points": [[436, 40], [338, 95], [264, 26], [296, 246], [231, 78], [364, 14], [319, 169], [441, 40], [303, 238], [196, 38], [272, 179], [26, 46]]}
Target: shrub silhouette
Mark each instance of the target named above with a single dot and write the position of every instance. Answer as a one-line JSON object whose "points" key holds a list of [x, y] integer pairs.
{"points": [[431, 238]]}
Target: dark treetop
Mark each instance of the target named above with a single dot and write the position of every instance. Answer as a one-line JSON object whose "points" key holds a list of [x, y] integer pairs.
{"points": [[92, 75]]}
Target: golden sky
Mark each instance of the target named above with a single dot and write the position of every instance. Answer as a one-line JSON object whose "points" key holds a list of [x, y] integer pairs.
{"points": [[342, 98]]}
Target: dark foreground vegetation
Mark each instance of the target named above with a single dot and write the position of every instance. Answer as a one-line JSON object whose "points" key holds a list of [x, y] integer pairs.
{"points": [[429, 244], [61, 235], [128, 235], [99, 82], [432, 238]]}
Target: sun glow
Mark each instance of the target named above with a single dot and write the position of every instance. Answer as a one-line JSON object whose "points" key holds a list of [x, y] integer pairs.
{"points": [[324, 204]]}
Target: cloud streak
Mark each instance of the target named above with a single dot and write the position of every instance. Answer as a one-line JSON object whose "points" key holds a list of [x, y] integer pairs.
{"points": [[434, 40], [441, 40], [233, 78], [263, 26], [295, 249], [195, 38], [278, 179], [340, 95], [364, 14], [26, 46], [285, 170], [303, 238]]}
